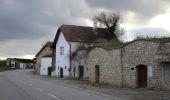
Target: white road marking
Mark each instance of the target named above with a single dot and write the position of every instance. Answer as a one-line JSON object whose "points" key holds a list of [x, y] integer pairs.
{"points": [[39, 89], [55, 96], [52, 95]]}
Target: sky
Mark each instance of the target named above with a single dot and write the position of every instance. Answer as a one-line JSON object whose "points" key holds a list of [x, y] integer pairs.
{"points": [[26, 25]]}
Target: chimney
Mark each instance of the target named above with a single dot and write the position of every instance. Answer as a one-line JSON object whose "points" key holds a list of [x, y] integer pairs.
{"points": [[95, 27]]}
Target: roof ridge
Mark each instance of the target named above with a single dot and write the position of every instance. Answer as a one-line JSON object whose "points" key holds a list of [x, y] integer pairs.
{"points": [[76, 25]]}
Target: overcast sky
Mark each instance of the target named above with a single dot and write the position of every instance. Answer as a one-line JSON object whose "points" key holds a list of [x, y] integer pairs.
{"points": [[25, 25]]}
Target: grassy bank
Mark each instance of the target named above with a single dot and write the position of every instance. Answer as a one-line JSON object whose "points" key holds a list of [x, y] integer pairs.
{"points": [[3, 66]]}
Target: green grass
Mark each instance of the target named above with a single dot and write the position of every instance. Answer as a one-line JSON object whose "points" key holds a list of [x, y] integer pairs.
{"points": [[116, 45], [3, 66], [155, 39], [112, 45], [163, 39]]}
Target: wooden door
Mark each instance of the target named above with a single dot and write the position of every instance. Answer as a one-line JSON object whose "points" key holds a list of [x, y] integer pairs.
{"points": [[142, 76]]}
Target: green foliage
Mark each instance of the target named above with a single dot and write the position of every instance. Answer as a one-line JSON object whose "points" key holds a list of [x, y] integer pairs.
{"points": [[112, 45], [2, 63], [155, 39], [163, 39], [115, 45], [3, 66]]}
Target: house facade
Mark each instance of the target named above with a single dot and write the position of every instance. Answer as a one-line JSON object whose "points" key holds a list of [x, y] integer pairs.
{"points": [[138, 64], [44, 59], [68, 40], [46, 63], [20, 63]]}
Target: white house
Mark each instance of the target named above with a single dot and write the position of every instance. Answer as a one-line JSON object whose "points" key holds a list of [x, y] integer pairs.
{"points": [[68, 40], [20, 63], [44, 59], [46, 63], [23, 65]]}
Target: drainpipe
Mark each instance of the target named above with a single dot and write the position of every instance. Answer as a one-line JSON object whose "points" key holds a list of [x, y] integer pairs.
{"points": [[53, 60], [70, 60], [121, 61]]}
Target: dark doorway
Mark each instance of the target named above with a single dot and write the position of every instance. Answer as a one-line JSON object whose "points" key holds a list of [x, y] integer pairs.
{"points": [[81, 72], [97, 73], [61, 72], [49, 71], [141, 76]]}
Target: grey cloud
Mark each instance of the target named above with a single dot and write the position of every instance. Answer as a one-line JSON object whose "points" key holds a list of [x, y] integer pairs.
{"points": [[32, 19], [143, 8], [27, 24]]}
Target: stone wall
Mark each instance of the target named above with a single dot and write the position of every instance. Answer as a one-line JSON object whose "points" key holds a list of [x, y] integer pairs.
{"points": [[79, 58], [137, 53], [109, 63], [118, 67]]}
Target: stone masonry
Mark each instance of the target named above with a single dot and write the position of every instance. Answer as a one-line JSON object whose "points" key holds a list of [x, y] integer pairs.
{"points": [[79, 58], [118, 67]]}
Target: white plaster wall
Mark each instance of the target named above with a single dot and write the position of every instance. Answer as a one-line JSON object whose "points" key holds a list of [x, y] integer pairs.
{"points": [[62, 60], [45, 63], [21, 65]]}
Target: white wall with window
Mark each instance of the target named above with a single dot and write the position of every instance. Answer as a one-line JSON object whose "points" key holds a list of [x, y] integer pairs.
{"points": [[62, 56], [63, 50]]}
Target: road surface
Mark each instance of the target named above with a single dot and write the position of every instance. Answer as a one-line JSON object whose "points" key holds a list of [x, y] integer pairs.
{"points": [[18, 85]]}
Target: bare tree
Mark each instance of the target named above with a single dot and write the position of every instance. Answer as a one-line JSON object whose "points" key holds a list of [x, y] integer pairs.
{"points": [[111, 22]]}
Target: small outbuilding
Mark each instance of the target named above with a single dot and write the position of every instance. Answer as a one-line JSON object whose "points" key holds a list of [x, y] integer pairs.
{"points": [[44, 59]]}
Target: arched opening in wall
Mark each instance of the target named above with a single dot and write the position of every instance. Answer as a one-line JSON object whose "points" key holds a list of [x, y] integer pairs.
{"points": [[97, 73], [141, 76], [61, 72], [81, 72]]}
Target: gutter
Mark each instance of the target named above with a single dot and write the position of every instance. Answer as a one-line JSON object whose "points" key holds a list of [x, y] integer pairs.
{"points": [[121, 61], [70, 60]]}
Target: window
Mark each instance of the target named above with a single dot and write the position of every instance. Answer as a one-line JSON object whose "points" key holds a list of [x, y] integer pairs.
{"points": [[61, 50]]}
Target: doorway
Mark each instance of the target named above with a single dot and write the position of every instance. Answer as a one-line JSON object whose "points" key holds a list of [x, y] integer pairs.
{"points": [[61, 72], [165, 75], [141, 76], [81, 72], [97, 73]]}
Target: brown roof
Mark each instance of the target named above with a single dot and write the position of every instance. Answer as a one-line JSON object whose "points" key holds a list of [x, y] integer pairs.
{"points": [[47, 44], [80, 33]]}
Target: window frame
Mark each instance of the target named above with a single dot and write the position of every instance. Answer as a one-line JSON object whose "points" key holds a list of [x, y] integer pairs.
{"points": [[61, 50]]}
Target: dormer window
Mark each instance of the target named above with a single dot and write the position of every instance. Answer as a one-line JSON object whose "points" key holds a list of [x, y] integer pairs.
{"points": [[61, 50]]}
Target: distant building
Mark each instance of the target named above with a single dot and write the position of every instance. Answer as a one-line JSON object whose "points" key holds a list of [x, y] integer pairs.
{"points": [[44, 60], [20, 63]]}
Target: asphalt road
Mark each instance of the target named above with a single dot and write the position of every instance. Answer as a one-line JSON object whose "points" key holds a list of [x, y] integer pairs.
{"points": [[18, 85]]}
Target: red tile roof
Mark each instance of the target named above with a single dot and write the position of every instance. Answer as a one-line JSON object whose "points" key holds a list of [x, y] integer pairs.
{"points": [[81, 33]]}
